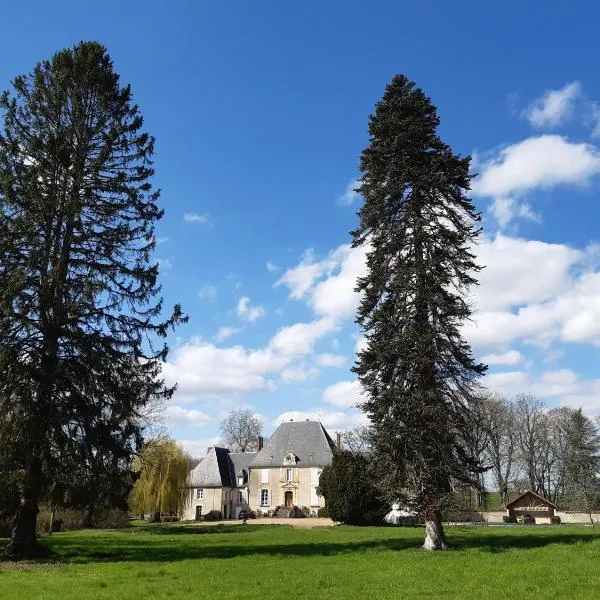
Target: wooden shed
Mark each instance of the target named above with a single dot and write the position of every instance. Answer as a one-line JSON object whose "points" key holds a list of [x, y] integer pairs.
{"points": [[533, 508]]}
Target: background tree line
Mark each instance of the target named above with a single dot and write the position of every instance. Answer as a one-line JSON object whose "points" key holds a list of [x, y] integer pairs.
{"points": [[522, 444]]}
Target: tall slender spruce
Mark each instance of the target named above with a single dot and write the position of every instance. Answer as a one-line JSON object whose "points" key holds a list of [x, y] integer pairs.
{"points": [[80, 307], [418, 227]]}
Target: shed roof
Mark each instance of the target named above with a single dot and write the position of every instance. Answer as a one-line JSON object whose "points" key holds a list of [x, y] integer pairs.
{"points": [[307, 440], [530, 493]]}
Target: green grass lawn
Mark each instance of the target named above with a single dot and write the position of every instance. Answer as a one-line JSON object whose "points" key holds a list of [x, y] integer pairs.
{"points": [[261, 562]]}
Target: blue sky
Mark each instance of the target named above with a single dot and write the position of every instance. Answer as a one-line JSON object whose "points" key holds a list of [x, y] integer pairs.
{"points": [[260, 112]]}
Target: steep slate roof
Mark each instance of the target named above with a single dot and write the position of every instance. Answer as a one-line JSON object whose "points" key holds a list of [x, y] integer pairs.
{"points": [[219, 468], [214, 470], [241, 460], [307, 440]]}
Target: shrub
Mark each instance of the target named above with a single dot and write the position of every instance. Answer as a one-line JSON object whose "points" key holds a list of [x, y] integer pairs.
{"points": [[111, 518], [5, 526], [213, 515], [323, 512], [555, 520], [306, 511], [507, 519], [347, 486]]}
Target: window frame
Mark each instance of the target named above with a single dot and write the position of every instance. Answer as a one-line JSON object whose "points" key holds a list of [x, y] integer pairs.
{"points": [[199, 493], [264, 497]]}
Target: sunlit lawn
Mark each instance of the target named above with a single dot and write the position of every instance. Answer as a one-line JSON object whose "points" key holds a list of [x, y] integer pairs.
{"points": [[262, 562]]}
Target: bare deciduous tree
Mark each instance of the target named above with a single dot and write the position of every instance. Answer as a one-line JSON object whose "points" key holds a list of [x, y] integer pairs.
{"points": [[502, 441], [240, 430], [357, 439]]}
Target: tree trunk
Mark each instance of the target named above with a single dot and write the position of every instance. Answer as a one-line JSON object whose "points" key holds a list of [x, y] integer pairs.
{"points": [[435, 538], [23, 541], [52, 517], [88, 516]]}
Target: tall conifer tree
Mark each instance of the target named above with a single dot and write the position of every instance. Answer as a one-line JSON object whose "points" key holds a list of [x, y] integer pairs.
{"points": [[419, 228], [80, 306]]}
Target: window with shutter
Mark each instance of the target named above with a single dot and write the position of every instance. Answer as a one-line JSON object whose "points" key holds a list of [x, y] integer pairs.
{"points": [[265, 497]]}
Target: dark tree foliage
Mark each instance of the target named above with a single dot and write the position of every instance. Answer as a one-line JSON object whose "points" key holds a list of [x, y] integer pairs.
{"points": [[349, 492], [80, 306], [418, 227], [582, 462]]}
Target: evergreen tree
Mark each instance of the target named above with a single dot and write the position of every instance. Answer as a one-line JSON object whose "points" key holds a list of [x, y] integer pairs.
{"points": [[80, 311], [582, 462], [419, 229], [349, 492]]}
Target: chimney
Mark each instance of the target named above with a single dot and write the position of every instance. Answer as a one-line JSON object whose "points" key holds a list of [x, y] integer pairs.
{"points": [[260, 442], [338, 442], [208, 450]]}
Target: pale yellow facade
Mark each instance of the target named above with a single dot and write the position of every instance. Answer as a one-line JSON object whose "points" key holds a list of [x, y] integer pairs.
{"points": [[285, 486], [227, 500]]}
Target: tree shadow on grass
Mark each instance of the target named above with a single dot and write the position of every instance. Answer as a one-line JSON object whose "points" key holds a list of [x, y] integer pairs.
{"points": [[134, 548], [192, 529], [497, 542]]}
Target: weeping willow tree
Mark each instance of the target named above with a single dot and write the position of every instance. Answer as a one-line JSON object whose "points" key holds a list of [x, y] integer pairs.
{"points": [[163, 467]]}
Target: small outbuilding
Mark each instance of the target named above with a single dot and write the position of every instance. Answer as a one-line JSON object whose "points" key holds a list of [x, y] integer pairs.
{"points": [[532, 508]]}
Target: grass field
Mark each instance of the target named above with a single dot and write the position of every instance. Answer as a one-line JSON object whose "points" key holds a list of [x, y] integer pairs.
{"points": [[263, 562]]}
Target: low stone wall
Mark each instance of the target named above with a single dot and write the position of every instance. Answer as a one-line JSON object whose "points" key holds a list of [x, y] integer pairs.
{"points": [[577, 517], [565, 517]]}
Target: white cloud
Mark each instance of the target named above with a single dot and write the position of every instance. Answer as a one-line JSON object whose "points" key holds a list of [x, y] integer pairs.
{"points": [[198, 448], [208, 292], [562, 386], [328, 284], [300, 338], [511, 357], [350, 196], [248, 312], [537, 162], [518, 271], [344, 393], [298, 374], [331, 420], [271, 267], [572, 316], [554, 107], [202, 370], [196, 218], [302, 278], [544, 161], [187, 417], [225, 332], [335, 296], [330, 360]]}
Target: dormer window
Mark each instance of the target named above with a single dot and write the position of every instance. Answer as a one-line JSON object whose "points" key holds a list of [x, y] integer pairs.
{"points": [[289, 459], [242, 477]]}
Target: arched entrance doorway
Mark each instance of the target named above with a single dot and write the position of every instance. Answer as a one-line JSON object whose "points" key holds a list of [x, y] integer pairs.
{"points": [[289, 499]]}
